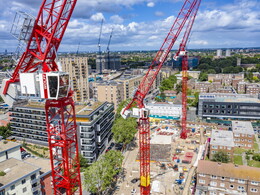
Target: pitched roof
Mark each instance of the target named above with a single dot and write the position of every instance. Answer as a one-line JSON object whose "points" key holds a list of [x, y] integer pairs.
{"points": [[229, 170]]}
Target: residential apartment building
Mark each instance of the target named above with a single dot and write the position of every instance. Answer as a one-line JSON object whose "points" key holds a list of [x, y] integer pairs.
{"points": [[202, 87], [28, 123], [9, 149], [45, 177], [110, 91], [20, 178], [221, 141], [111, 62], [77, 67], [130, 84], [241, 87], [225, 78], [94, 128], [228, 106], [243, 134], [215, 178], [252, 88]]}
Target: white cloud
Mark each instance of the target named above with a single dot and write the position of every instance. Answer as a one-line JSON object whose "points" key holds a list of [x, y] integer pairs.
{"points": [[150, 4], [97, 17], [199, 42], [117, 19], [159, 13]]}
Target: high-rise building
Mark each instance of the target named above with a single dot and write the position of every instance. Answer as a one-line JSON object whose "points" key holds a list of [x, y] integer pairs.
{"points": [[77, 67], [228, 53], [219, 53], [111, 62]]}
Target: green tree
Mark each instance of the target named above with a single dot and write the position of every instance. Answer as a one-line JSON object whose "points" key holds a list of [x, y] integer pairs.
{"points": [[221, 156], [124, 130], [101, 174], [5, 131], [166, 84], [83, 161], [163, 96], [203, 76]]}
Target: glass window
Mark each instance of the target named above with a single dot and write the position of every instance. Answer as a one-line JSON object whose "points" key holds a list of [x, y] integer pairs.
{"points": [[53, 86], [232, 179], [12, 187], [24, 190], [213, 183], [202, 181], [23, 181], [222, 178], [253, 190], [254, 182], [213, 177], [241, 181], [222, 185], [202, 175], [240, 188], [231, 186]]}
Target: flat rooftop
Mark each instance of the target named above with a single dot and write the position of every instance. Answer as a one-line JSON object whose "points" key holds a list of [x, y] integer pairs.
{"points": [[15, 169], [229, 170], [244, 127], [8, 145], [43, 163], [87, 109], [222, 138], [224, 97]]}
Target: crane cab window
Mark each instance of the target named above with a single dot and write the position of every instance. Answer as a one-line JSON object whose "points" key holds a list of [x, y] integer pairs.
{"points": [[53, 86]]}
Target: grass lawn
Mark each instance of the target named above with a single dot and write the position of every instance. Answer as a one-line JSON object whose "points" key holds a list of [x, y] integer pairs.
{"points": [[253, 163], [238, 160], [239, 150]]}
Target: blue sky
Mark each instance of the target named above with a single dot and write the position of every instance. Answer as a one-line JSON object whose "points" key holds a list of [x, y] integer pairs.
{"points": [[143, 24]]}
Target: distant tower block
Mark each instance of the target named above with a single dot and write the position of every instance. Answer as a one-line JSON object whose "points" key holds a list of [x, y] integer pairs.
{"points": [[228, 52], [219, 53], [238, 61]]}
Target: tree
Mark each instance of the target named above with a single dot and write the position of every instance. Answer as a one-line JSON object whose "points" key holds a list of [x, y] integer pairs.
{"points": [[101, 174], [203, 76], [5, 131], [124, 130], [163, 96], [83, 161], [221, 156]]}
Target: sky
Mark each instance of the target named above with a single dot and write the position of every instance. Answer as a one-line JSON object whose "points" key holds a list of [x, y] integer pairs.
{"points": [[144, 24]]}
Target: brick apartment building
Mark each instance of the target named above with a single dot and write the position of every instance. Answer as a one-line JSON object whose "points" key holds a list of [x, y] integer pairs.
{"points": [[221, 141], [215, 178], [243, 134]]}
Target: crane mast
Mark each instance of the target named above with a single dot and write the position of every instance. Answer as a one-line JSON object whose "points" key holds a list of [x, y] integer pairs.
{"points": [[108, 50], [99, 48], [40, 54], [185, 66], [144, 88]]}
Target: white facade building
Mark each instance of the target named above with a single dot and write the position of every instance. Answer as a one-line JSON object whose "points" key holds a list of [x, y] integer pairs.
{"points": [[9, 149], [20, 178], [165, 110]]}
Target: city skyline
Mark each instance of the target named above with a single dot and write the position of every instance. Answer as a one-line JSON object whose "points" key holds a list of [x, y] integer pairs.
{"points": [[143, 24]]}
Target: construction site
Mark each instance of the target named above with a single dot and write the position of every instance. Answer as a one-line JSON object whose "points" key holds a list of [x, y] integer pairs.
{"points": [[173, 160]]}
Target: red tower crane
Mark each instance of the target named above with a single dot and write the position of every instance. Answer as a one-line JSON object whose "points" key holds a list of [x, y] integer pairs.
{"points": [[43, 39], [144, 88], [185, 66]]}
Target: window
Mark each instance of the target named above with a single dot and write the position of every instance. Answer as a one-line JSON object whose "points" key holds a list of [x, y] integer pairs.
{"points": [[222, 178], [213, 193], [231, 186], [241, 181], [253, 190], [240, 188], [202, 175], [229, 148], [202, 181], [12, 187], [213, 183], [23, 181], [249, 145], [214, 147], [222, 185], [254, 182], [24, 190]]}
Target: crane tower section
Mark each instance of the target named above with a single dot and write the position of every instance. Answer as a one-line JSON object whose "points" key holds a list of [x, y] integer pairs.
{"points": [[145, 86], [42, 37]]}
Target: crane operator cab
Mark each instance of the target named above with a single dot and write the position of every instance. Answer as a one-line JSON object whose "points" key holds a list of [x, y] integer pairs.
{"points": [[55, 85], [49, 85]]}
